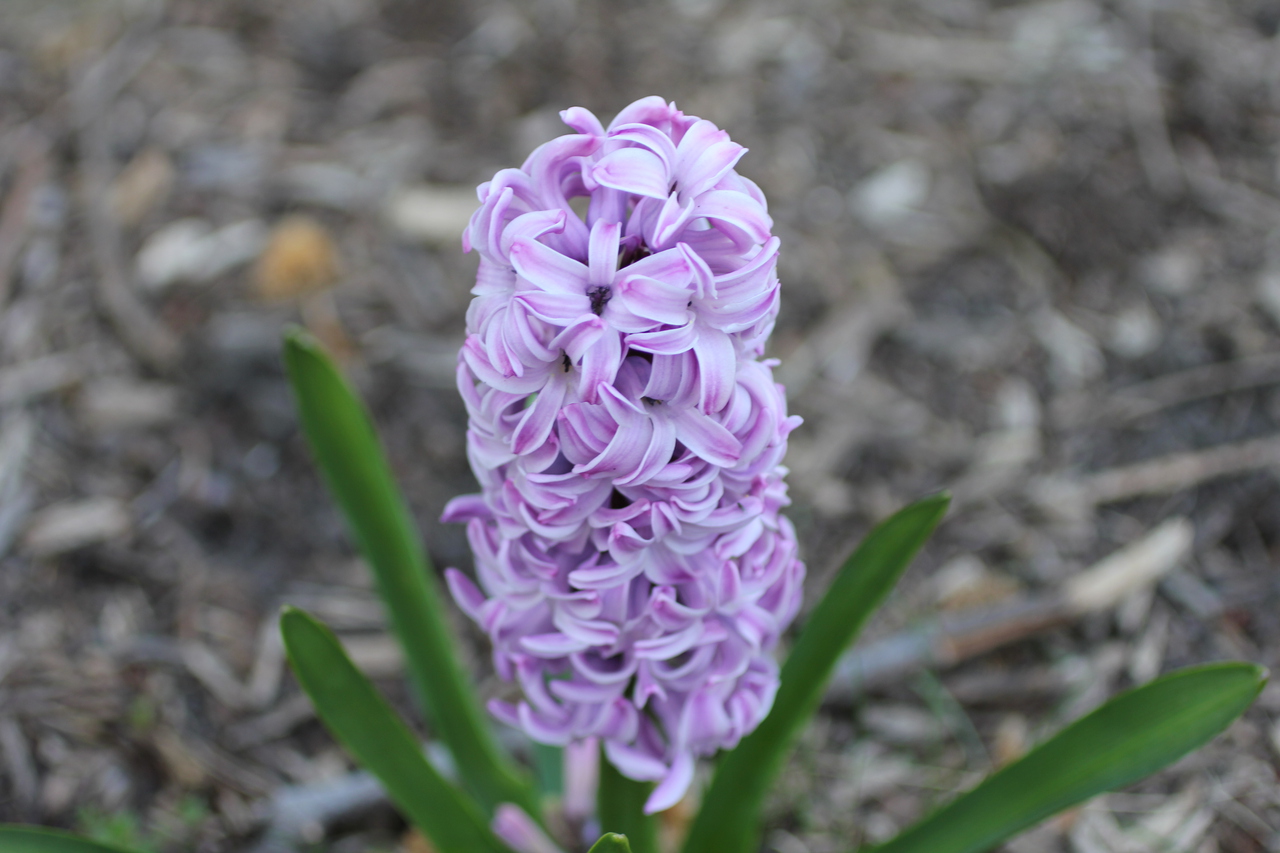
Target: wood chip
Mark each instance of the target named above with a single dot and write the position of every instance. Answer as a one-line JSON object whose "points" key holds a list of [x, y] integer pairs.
{"points": [[74, 524], [40, 376], [143, 186], [1131, 568], [300, 258]]}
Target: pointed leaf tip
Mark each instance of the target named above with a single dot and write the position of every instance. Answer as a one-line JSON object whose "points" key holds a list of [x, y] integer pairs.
{"points": [[1125, 740], [611, 842]]}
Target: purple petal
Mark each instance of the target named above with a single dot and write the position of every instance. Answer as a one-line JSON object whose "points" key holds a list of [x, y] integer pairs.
{"points": [[504, 712], [704, 156], [465, 508], [619, 721], [648, 137], [580, 335], [468, 596], [600, 365], [651, 110], [583, 692], [555, 645], [671, 266], [518, 830], [654, 300], [603, 252], [662, 443], [673, 787], [667, 341], [543, 731], [717, 365], [737, 209], [559, 308], [706, 438], [671, 220], [634, 170], [582, 120], [604, 577], [634, 763], [593, 632], [669, 645], [547, 269], [538, 420], [531, 226]]}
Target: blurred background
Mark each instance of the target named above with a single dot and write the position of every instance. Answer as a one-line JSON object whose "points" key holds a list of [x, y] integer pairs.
{"points": [[1031, 253]]}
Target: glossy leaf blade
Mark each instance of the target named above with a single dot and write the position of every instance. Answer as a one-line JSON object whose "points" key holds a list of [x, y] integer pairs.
{"points": [[620, 808], [361, 719], [34, 839], [349, 454], [729, 819], [1130, 737], [611, 842]]}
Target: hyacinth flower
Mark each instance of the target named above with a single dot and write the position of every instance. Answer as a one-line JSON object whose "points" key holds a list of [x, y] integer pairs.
{"points": [[632, 568], [635, 573]]}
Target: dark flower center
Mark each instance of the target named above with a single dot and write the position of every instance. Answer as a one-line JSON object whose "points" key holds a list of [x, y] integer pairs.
{"points": [[599, 296], [631, 253]]}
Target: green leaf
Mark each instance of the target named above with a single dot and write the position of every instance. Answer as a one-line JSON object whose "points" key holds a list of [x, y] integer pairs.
{"points": [[620, 808], [33, 839], [729, 819], [1130, 737], [611, 842], [346, 447], [361, 719]]}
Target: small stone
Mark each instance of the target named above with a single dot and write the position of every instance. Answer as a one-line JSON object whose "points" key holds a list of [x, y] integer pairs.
{"points": [[112, 404], [299, 258], [1268, 293], [74, 524], [192, 250], [1135, 331], [892, 194], [432, 214], [1174, 270], [174, 252], [1074, 355]]}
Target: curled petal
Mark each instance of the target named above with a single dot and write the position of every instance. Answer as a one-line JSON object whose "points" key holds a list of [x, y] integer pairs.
{"points": [[536, 424], [717, 364], [706, 438], [547, 269], [737, 209], [673, 786], [633, 170], [582, 120], [654, 299], [665, 341]]}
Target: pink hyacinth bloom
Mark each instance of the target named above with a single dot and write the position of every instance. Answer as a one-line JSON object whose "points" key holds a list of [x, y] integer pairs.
{"points": [[632, 567]]}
